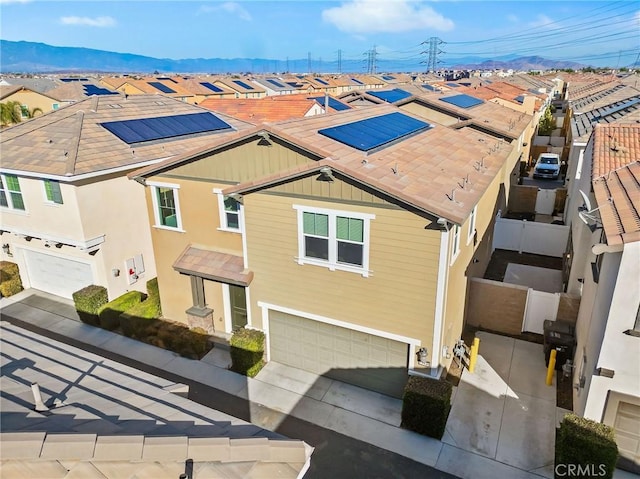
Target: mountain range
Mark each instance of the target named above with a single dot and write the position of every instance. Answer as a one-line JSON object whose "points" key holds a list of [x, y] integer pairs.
{"points": [[31, 57]]}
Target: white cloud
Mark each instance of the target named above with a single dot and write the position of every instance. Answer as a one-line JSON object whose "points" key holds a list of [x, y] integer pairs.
{"points": [[372, 16], [541, 21], [5, 2], [228, 7], [88, 21], [513, 18]]}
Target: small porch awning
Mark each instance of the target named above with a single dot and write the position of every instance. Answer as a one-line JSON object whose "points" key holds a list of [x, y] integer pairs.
{"points": [[213, 265]]}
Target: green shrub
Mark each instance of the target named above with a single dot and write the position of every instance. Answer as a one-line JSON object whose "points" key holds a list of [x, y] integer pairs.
{"points": [[109, 314], [247, 351], [425, 406], [88, 301], [135, 320], [588, 445], [10, 282]]}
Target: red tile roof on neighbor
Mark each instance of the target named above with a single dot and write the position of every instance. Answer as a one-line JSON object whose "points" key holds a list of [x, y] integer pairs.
{"points": [[260, 110], [616, 181]]}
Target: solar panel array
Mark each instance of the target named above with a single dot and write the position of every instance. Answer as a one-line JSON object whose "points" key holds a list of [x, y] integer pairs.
{"points": [[453, 85], [211, 87], [275, 83], [426, 86], [321, 81], [159, 86], [243, 84], [90, 89], [370, 133], [333, 103], [388, 77], [390, 96], [519, 98], [355, 80], [463, 101], [67, 80], [164, 127], [616, 108], [166, 79]]}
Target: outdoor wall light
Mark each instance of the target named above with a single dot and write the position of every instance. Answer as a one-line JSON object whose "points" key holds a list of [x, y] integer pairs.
{"points": [[6, 249], [422, 356]]}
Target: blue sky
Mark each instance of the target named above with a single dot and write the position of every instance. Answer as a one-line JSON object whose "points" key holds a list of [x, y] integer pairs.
{"points": [[591, 32]]}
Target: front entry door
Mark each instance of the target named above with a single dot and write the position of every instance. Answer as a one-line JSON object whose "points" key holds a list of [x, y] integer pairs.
{"points": [[238, 298]]}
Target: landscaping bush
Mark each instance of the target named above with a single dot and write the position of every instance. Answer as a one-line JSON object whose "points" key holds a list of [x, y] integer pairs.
{"points": [[88, 301], [247, 351], [135, 320], [109, 314], [587, 446], [425, 406], [10, 282]]}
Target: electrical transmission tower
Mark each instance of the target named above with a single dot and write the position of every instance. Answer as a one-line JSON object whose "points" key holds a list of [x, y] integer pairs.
{"points": [[371, 60], [433, 52], [309, 62], [339, 61]]}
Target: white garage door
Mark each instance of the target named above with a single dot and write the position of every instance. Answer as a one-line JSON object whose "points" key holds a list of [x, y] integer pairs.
{"points": [[627, 429], [365, 360], [56, 275]]}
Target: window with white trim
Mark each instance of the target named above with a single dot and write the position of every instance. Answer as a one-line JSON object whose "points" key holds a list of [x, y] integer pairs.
{"points": [[334, 239], [456, 243], [10, 194], [52, 191], [472, 224], [166, 206], [229, 210]]}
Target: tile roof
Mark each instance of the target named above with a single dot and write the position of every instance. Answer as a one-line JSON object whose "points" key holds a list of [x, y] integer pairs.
{"points": [[616, 181], [259, 110], [602, 108], [70, 141], [230, 83], [213, 265]]}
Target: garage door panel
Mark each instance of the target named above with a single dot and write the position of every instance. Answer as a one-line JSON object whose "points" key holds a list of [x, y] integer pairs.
{"points": [[351, 356], [57, 275]]}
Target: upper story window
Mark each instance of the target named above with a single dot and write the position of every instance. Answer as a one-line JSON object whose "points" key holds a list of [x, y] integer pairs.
{"points": [[334, 239], [166, 205], [229, 210], [456, 243], [52, 191], [55, 106], [10, 194], [472, 224]]}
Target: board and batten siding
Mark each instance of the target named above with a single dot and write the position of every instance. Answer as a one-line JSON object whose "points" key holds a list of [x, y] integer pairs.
{"points": [[245, 162], [399, 295]]}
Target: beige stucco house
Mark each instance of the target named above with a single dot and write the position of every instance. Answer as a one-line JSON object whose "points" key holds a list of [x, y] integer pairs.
{"points": [[347, 238], [69, 215]]}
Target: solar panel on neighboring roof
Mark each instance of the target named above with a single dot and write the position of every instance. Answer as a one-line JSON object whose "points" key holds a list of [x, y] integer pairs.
{"points": [[355, 80], [159, 86], [519, 98], [275, 83], [426, 86], [95, 90], [615, 109], [67, 80], [166, 79], [211, 86], [453, 85], [294, 84], [320, 80], [462, 100], [163, 127], [333, 103], [365, 135], [390, 96], [243, 84], [388, 77]]}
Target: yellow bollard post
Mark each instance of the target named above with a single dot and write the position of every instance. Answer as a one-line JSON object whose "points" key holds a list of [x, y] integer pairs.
{"points": [[552, 366], [474, 354]]}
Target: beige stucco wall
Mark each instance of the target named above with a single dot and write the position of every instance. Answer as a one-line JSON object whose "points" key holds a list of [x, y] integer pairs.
{"points": [[496, 306], [399, 295], [32, 100]]}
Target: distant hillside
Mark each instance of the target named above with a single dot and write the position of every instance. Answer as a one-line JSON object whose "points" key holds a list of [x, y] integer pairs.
{"points": [[30, 57]]}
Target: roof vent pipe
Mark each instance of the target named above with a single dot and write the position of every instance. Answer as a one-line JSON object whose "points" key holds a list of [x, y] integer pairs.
{"points": [[37, 398], [326, 102]]}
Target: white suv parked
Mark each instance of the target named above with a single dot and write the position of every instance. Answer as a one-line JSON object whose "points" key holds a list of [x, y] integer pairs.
{"points": [[547, 166]]}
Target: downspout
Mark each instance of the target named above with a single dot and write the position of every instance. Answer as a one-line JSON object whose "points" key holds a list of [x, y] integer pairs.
{"points": [[441, 287]]}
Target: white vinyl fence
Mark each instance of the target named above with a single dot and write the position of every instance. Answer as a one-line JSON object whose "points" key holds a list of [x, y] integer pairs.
{"points": [[530, 237]]}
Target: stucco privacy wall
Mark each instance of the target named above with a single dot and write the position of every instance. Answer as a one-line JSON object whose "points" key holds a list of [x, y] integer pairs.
{"points": [[496, 306], [399, 295]]}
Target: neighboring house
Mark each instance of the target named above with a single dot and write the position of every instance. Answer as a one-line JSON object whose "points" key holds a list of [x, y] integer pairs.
{"points": [[268, 109], [70, 217], [72, 90], [29, 100], [605, 264], [347, 238], [203, 88], [275, 86], [242, 87], [163, 86]]}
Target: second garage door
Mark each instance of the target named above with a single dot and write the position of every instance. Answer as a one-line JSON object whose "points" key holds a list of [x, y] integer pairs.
{"points": [[56, 275], [627, 429], [365, 360]]}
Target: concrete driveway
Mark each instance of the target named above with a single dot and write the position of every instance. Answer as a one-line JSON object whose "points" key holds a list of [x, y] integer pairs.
{"points": [[504, 411]]}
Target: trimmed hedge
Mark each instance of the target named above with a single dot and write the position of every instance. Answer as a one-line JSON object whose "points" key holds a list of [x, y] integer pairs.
{"points": [[247, 351], [589, 447], [88, 301], [10, 282], [425, 406], [109, 314]]}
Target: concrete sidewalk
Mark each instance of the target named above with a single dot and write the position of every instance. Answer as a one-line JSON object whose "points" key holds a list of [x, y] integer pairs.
{"points": [[349, 410]]}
